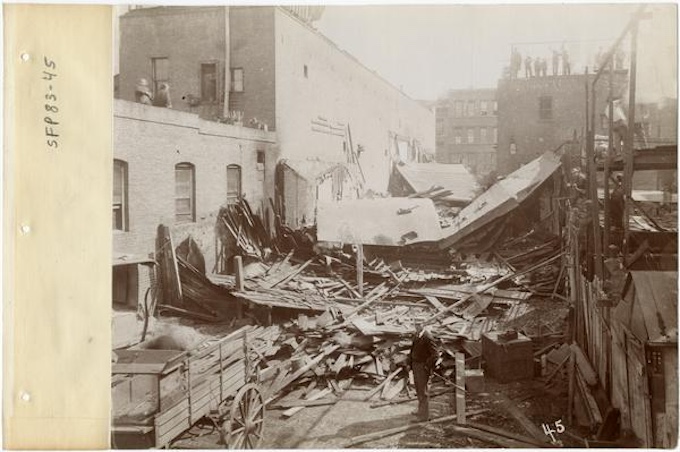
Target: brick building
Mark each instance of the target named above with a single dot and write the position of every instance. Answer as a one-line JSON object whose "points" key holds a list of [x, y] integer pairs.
{"points": [[467, 129], [269, 67], [174, 168], [539, 114]]}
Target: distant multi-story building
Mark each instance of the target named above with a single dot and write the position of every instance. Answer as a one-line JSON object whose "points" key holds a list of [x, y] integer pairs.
{"points": [[467, 129]]}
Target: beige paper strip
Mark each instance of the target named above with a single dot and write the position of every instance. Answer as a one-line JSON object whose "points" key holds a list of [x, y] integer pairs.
{"points": [[57, 258]]}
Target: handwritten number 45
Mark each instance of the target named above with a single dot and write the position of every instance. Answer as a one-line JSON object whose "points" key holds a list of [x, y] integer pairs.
{"points": [[559, 428], [49, 64]]}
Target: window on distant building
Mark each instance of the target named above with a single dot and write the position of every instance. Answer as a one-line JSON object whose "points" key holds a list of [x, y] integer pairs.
{"points": [[545, 107], [439, 124], [495, 135], [470, 135], [159, 72], [209, 82], [482, 135], [306, 71], [458, 108], [470, 108], [233, 184], [495, 107], [236, 80], [185, 193], [483, 108], [120, 222], [458, 136]]}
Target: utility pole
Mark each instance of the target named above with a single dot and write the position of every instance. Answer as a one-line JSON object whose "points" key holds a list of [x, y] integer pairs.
{"points": [[628, 148], [592, 186], [610, 153]]}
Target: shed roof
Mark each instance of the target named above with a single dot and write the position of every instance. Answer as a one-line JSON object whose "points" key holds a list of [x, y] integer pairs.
{"points": [[453, 177], [649, 306], [504, 196], [383, 221]]}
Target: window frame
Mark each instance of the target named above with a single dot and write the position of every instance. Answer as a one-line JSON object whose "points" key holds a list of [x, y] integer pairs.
{"points": [[471, 133], [156, 82], [231, 198], [124, 216], [191, 168], [545, 114], [232, 80]]}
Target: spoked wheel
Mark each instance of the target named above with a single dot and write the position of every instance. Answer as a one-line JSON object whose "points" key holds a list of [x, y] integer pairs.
{"points": [[243, 429]]}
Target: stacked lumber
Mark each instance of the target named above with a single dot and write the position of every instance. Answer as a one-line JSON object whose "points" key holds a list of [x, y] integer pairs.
{"points": [[522, 252], [237, 226]]}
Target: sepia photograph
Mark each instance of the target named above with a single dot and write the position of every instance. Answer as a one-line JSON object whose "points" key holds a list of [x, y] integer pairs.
{"points": [[394, 226]]}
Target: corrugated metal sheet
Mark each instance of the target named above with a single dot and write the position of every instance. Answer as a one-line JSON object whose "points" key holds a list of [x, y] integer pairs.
{"points": [[502, 197], [453, 177], [649, 306], [382, 221]]}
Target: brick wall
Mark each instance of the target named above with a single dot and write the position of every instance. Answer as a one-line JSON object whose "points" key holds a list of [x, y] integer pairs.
{"points": [[251, 31], [519, 119], [187, 36], [152, 141]]}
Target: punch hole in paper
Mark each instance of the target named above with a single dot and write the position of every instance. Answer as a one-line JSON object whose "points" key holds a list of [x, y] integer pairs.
{"points": [[25, 229], [25, 56], [25, 396]]}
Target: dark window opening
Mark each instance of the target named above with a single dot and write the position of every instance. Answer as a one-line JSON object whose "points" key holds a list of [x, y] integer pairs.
{"points": [[120, 193], [545, 110], [160, 72], [233, 184], [209, 82]]}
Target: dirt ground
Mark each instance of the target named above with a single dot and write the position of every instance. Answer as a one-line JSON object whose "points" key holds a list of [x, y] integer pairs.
{"points": [[330, 426]]}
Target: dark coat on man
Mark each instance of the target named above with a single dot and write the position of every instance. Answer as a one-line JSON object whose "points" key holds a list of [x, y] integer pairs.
{"points": [[423, 357]]}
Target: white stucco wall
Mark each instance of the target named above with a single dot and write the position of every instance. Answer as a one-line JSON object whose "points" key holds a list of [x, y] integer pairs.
{"points": [[339, 89]]}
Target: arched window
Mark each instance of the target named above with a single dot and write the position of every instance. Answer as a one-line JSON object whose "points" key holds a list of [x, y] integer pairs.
{"points": [[233, 184], [120, 195], [185, 193]]}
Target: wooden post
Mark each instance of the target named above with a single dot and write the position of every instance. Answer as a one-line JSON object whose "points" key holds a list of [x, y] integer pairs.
{"points": [[460, 388], [571, 376], [238, 273], [360, 268]]}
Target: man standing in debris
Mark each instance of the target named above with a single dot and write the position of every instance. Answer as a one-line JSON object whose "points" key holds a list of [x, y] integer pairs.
{"points": [[422, 358]]}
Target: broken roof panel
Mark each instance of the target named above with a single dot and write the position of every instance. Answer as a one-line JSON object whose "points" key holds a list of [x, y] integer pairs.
{"points": [[653, 314], [452, 177], [382, 221], [310, 169], [504, 196]]}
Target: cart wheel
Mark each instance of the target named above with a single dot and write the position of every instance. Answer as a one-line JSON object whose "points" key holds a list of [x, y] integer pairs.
{"points": [[243, 429]]}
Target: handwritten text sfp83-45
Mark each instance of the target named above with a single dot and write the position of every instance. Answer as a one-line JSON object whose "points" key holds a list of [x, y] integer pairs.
{"points": [[49, 74]]}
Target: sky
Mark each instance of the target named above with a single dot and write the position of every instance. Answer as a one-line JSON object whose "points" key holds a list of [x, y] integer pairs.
{"points": [[426, 50]]}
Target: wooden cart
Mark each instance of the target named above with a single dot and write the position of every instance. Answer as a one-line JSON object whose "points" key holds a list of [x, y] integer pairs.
{"points": [[159, 394]]}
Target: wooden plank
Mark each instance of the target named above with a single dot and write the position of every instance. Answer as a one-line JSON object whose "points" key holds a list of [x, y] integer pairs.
{"points": [[434, 301], [511, 407], [377, 389], [460, 387], [317, 395], [584, 366]]}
